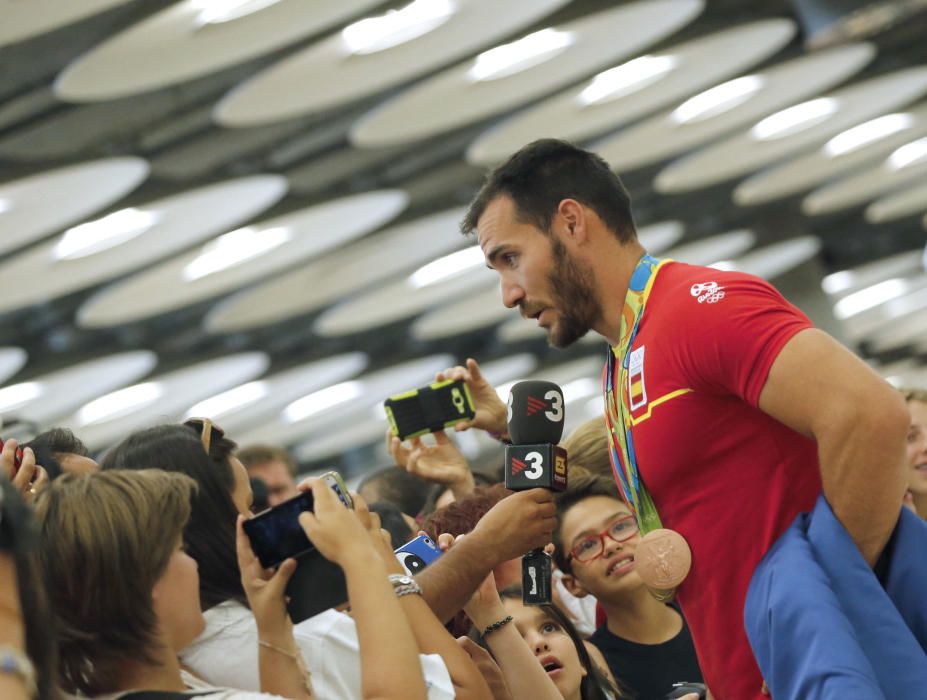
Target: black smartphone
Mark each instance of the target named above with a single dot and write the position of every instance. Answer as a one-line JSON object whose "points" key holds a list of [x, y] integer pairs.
{"points": [[276, 534], [429, 408]]}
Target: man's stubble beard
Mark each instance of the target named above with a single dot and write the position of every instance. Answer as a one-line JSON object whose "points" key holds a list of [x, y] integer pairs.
{"points": [[572, 286]]}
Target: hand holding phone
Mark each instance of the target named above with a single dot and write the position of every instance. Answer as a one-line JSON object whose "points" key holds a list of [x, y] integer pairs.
{"points": [[429, 408], [334, 530], [276, 534]]}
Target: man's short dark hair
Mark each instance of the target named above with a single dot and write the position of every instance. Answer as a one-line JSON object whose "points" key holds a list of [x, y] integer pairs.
{"points": [[255, 455], [53, 442], [545, 172], [392, 484], [582, 485]]}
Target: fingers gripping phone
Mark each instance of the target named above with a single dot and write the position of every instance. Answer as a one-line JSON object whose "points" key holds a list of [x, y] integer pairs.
{"points": [[429, 408], [276, 534]]}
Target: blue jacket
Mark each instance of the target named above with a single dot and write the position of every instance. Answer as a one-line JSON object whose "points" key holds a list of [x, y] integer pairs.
{"points": [[822, 626]]}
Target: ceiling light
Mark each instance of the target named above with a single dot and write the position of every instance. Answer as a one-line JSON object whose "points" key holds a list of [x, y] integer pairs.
{"points": [[119, 403], [5, 205], [909, 154], [396, 26], [234, 248], [108, 232], [627, 78], [838, 282], [870, 297], [321, 400], [717, 100], [516, 56], [219, 11], [228, 401], [446, 267], [580, 389], [868, 132], [16, 395], [794, 119]]}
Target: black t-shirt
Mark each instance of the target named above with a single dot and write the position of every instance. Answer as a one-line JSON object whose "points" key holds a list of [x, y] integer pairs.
{"points": [[649, 670]]}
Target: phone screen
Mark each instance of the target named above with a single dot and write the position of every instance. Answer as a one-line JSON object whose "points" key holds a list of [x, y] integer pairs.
{"points": [[276, 534]]}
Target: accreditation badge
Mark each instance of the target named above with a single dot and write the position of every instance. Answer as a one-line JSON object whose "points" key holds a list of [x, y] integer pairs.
{"points": [[637, 391]]}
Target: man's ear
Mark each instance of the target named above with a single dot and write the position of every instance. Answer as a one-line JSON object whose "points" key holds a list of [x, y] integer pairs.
{"points": [[574, 586], [572, 217]]}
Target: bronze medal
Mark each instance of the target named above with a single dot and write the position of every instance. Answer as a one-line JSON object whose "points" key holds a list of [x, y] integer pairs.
{"points": [[662, 560]]}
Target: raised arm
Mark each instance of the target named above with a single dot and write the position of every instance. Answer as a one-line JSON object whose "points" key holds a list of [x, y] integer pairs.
{"points": [[515, 525], [523, 673], [821, 390], [390, 668], [430, 634]]}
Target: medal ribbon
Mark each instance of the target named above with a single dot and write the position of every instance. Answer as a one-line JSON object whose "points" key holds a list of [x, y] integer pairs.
{"points": [[618, 403]]}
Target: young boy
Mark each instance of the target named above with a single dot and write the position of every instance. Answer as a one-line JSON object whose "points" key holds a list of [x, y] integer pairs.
{"points": [[646, 643]]}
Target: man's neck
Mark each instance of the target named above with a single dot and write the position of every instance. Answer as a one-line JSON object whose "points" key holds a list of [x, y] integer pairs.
{"points": [[641, 618], [613, 277], [920, 504]]}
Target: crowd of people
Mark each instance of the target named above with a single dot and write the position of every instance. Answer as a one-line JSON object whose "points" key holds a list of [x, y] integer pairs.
{"points": [[135, 579], [139, 577]]}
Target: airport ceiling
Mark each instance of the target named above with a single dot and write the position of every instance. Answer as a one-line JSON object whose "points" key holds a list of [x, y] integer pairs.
{"points": [[258, 199]]}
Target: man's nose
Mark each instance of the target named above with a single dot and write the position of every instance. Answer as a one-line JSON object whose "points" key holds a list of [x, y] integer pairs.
{"points": [[512, 294]]}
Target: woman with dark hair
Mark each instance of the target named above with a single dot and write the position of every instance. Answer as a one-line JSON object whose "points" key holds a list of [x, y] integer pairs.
{"points": [[225, 653], [201, 451]]}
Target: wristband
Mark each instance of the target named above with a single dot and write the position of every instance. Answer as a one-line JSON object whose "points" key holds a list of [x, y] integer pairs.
{"points": [[14, 663], [404, 585], [498, 624]]}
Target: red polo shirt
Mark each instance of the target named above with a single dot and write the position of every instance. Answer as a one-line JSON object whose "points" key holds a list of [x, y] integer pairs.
{"points": [[722, 473]]}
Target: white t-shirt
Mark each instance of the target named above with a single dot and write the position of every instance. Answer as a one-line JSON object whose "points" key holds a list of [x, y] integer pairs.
{"points": [[226, 653]]}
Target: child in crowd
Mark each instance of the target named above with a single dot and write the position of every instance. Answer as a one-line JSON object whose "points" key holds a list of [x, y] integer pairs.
{"points": [[646, 643]]}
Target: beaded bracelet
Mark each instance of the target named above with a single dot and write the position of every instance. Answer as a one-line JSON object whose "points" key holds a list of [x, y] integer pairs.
{"points": [[498, 624]]}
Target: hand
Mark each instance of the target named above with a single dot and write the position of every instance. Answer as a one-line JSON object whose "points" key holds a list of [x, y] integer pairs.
{"points": [[491, 411], [334, 530], [31, 479], [517, 524], [441, 463], [382, 542], [487, 667], [264, 588]]}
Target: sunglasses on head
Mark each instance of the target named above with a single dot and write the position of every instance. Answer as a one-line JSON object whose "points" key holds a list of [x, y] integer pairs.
{"points": [[206, 429]]}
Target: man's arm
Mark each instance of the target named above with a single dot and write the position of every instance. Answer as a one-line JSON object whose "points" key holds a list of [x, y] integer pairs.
{"points": [[515, 525], [821, 390]]}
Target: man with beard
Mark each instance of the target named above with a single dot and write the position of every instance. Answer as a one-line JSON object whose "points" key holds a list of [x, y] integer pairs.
{"points": [[728, 412]]}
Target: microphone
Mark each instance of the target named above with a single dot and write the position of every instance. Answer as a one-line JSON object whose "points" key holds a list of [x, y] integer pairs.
{"points": [[534, 460]]}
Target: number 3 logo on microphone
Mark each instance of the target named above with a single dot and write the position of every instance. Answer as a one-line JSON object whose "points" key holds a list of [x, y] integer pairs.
{"points": [[556, 406], [536, 461]]}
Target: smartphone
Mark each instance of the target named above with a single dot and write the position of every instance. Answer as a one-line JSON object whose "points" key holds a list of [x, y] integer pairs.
{"points": [[416, 554], [276, 534], [336, 483], [429, 408], [17, 460], [682, 689]]}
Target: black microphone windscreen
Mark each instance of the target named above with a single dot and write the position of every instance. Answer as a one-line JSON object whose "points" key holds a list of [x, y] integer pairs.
{"points": [[536, 412]]}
